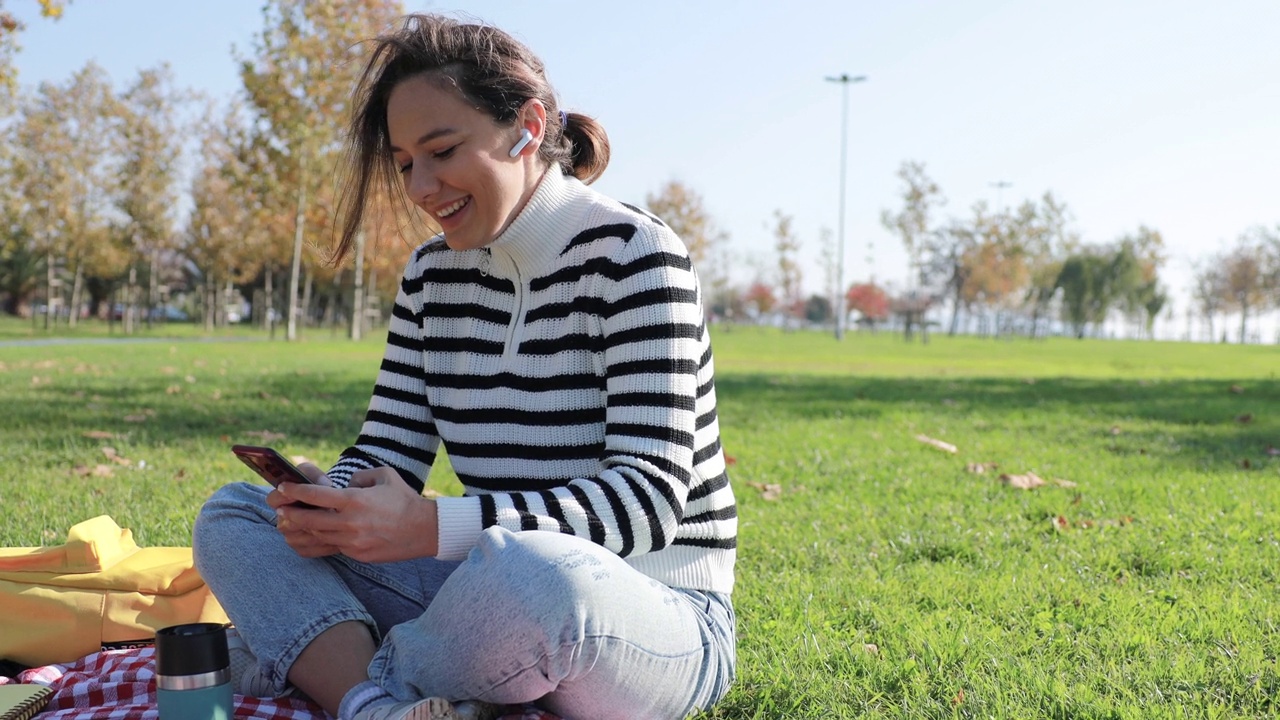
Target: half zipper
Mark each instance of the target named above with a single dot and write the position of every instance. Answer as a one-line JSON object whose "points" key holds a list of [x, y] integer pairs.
{"points": [[514, 333]]}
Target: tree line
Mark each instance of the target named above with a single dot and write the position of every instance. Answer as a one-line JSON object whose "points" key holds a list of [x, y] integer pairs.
{"points": [[1011, 270], [100, 219]]}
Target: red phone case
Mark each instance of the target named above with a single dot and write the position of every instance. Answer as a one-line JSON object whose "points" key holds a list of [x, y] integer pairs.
{"points": [[271, 465]]}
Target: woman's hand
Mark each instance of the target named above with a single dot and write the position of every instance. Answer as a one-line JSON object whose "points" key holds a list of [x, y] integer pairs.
{"points": [[377, 518]]}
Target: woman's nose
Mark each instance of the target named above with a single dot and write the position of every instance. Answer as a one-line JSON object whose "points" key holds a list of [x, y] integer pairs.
{"points": [[423, 183]]}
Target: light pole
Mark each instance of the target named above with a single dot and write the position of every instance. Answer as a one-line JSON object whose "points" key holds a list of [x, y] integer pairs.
{"points": [[844, 81]]}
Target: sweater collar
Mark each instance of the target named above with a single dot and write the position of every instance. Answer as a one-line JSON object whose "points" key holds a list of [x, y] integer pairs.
{"points": [[538, 234]]}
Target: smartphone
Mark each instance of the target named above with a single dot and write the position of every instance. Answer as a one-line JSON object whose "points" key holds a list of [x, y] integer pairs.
{"points": [[272, 466]]}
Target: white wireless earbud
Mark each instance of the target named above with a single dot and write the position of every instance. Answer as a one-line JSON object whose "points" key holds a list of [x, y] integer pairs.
{"points": [[526, 137]]}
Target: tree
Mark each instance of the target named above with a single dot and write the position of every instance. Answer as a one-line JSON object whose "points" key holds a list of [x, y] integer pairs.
{"points": [[913, 224], [870, 301], [790, 275], [684, 211], [10, 28], [1209, 292], [150, 151], [1244, 275], [66, 189], [761, 298], [299, 84]]}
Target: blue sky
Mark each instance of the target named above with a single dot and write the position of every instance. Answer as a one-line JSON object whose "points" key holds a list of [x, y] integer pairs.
{"points": [[1163, 113]]}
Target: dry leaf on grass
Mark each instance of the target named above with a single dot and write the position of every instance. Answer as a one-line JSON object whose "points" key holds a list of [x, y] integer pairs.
{"points": [[98, 435], [871, 648], [1060, 523], [173, 390], [980, 468], [114, 457], [1244, 419], [1063, 483], [95, 471], [1236, 389], [768, 491], [1115, 430], [939, 444], [959, 698], [266, 436], [1022, 482]]}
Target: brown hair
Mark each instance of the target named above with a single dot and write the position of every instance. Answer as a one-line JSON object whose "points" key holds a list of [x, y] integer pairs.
{"points": [[493, 71]]}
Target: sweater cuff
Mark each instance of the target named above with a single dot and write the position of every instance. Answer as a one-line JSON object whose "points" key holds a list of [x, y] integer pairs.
{"points": [[460, 526]]}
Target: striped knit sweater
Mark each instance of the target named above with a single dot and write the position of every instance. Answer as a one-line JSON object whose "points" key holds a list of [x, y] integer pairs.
{"points": [[567, 369]]}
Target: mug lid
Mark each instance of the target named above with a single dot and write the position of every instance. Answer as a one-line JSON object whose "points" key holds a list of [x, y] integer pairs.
{"points": [[191, 649]]}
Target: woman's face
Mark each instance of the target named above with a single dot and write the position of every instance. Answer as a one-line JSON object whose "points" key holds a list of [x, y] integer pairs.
{"points": [[454, 162]]}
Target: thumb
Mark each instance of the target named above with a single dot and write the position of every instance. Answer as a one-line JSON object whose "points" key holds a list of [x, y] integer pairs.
{"points": [[316, 475]]}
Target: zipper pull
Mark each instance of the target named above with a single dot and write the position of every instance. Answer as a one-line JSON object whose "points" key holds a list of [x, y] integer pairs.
{"points": [[484, 262]]}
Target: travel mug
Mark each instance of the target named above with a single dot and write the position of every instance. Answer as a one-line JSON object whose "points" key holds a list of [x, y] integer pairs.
{"points": [[193, 672]]}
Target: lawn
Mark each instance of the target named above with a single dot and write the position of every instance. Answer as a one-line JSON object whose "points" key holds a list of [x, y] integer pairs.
{"points": [[878, 575]]}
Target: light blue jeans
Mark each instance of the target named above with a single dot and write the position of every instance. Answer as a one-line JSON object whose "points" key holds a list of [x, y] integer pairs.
{"points": [[529, 616]]}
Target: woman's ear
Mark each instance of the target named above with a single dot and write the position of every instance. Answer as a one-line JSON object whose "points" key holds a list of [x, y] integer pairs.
{"points": [[532, 118]]}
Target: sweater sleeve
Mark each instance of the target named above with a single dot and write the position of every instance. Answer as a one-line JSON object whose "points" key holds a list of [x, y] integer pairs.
{"points": [[652, 342], [398, 431]]}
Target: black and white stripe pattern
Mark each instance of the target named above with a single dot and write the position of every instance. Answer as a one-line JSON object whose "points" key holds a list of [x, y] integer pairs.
{"points": [[568, 371]]}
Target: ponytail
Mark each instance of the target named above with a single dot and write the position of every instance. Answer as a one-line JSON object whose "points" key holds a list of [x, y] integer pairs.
{"points": [[588, 146]]}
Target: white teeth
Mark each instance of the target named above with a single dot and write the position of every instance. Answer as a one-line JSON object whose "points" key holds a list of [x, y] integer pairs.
{"points": [[445, 212]]}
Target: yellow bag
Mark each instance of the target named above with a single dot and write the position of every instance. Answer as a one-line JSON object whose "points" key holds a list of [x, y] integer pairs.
{"points": [[58, 604]]}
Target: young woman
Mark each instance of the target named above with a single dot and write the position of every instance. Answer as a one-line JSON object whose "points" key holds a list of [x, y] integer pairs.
{"points": [[553, 340]]}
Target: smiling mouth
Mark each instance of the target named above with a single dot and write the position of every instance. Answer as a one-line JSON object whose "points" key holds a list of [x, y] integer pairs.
{"points": [[448, 210]]}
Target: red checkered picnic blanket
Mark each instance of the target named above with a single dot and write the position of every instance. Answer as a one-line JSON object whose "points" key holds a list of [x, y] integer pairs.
{"points": [[121, 685]]}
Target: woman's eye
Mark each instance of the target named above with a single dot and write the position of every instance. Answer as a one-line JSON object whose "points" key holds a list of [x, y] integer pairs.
{"points": [[444, 154], [405, 167]]}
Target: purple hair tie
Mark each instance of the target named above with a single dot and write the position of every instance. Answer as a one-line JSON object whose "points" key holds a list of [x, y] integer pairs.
{"points": [[564, 118]]}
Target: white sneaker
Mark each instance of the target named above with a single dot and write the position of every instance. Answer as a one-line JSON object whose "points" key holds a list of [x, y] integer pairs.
{"points": [[246, 677], [432, 709]]}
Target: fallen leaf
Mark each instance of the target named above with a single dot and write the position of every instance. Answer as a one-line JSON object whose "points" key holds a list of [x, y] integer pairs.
{"points": [[267, 436], [136, 418], [1115, 430], [114, 457], [216, 395], [1244, 419], [768, 491], [1076, 500], [264, 395], [871, 648], [1236, 389], [98, 434], [1246, 464], [941, 445], [1060, 524], [1022, 482], [980, 468], [730, 460], [173, 390], [190, 378], [102, 471], [959, 698], [1063, 483]]}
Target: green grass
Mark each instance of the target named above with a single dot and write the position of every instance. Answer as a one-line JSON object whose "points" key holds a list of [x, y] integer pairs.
{"points": [[1157, 601]]}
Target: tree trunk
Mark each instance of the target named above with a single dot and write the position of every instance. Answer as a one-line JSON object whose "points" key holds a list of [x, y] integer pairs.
{"points": [[153, 287], [227, 290], [1244, 319], [50, 278], [357, 293], [291, 321], [77, 289], [305, 309], [268, 289], [210, 302], [130, 289]]}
